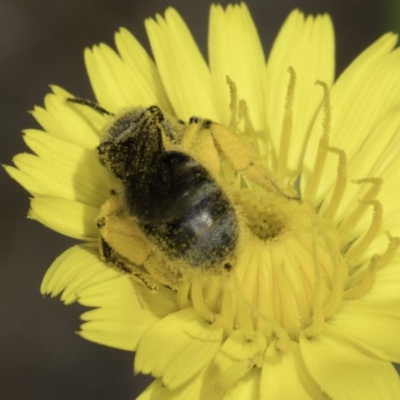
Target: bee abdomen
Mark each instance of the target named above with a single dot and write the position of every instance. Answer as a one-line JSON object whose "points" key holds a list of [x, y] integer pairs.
{"points": [[206, 235]]}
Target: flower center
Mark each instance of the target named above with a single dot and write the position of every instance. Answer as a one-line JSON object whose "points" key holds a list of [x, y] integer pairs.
{"points": [[263, 217]]}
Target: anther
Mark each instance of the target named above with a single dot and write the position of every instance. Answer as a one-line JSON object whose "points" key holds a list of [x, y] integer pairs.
{"points": [[233, 105], [249, 130]]}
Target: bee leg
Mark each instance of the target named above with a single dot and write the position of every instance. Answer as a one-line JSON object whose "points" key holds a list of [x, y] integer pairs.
{"points": [[112, 258]]}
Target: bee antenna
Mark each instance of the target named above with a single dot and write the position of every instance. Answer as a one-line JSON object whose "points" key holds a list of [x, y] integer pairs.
{"points": [[90, 104]]}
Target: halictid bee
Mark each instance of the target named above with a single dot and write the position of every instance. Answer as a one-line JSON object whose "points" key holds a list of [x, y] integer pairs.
{"points": [[171, 197]]}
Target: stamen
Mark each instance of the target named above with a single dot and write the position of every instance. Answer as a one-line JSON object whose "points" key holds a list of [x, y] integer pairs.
{"points": [[367, 282], [372, 193], [323, 145], [359, 248], [286, 128], [248, 126], [198, 301], [340, 184], [233, 105]]}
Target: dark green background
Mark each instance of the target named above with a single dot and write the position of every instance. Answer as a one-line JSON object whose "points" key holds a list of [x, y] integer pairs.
{"points": [[42, 42]]}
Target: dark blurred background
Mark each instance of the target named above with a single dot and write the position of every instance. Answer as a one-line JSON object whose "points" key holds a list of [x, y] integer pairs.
{"points": [[41, 43]]}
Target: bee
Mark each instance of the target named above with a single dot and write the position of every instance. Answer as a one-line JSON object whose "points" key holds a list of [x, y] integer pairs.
{"points": [[163, 195]]}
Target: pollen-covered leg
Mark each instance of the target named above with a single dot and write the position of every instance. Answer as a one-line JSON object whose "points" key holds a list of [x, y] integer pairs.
{"points": [[233, 150], [112, 258], [117, 235], [126, 247]]}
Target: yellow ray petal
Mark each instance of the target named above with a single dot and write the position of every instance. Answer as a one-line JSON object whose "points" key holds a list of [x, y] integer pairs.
{"points": [[306, 45], [116, 83], [192, 390], [71, 269], [344, 371], [378, 157], [247, 388], [26, 180], [63, 169], [371, 319], [67, 217], [284, 376], [60, 119], [148, 89], [178, 347], [184, 73], [359, 99], [122, 319], [122, 324], [235, 50], [386, 287]]}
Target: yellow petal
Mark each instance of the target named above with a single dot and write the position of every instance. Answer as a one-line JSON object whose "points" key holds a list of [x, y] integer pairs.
{"points": [[67, 217], [387, 283], [306, 45], [377, 157], [371, 318], [157, 390], [116, 83], [121, 319], [362, 95], [344, 371], [124, 318], [183, 70], [60, 119], [63, 169], [178, 347], [284, 376], [247, 388], [26, 180], [143, 74], [235, 50], [235, 360], [72, 268]]}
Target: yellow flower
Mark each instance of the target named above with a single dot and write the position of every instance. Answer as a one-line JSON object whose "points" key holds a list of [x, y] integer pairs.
{"points": [[311, 307]]}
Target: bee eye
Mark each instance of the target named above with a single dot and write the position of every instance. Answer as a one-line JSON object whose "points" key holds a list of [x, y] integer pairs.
{"points": [[157, 114], [193, 120], [206, 124]]}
